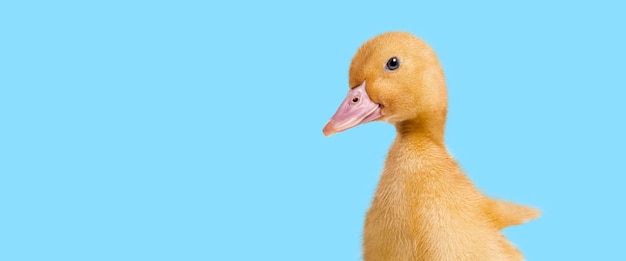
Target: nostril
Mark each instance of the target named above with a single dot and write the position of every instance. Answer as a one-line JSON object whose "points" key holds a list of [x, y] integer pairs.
{"points": [[355, 99]]}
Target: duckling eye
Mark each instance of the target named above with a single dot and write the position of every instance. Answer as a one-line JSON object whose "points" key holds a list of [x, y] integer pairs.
{"points": [[392, 64]]}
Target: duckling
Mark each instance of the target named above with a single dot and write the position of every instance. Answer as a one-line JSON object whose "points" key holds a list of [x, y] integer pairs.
{"points": [[425, 207]]}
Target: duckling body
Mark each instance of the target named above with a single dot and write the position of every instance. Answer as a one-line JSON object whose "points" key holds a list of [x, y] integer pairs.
{"points": [[425, 207]]}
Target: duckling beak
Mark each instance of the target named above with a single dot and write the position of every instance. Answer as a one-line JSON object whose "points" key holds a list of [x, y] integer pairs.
{"points": [[356, 109]]}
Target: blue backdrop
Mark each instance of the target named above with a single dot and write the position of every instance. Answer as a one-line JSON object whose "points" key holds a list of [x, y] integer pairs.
{"points": [[191, 130]]}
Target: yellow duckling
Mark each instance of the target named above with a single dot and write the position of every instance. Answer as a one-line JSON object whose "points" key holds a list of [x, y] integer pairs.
{"points": [[425, 207]]}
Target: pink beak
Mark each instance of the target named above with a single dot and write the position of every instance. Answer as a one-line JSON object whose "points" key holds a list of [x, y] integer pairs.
{"points": [[356, 109]]}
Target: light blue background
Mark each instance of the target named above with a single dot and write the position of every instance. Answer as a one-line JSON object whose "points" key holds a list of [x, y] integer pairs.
{"points": [[155, 130]]}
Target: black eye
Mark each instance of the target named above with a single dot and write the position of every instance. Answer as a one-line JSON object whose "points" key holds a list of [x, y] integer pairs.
{"points": [[393, 64]]}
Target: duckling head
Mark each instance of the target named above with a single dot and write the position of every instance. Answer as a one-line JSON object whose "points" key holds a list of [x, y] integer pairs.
{"points": [[394, 77]]}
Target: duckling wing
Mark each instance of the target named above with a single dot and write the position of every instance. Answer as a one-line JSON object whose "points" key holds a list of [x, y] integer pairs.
{"points": [[506, 214]]}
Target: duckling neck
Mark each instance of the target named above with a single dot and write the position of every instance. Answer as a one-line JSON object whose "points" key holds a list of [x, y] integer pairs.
{"points": [[421, 130]]}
